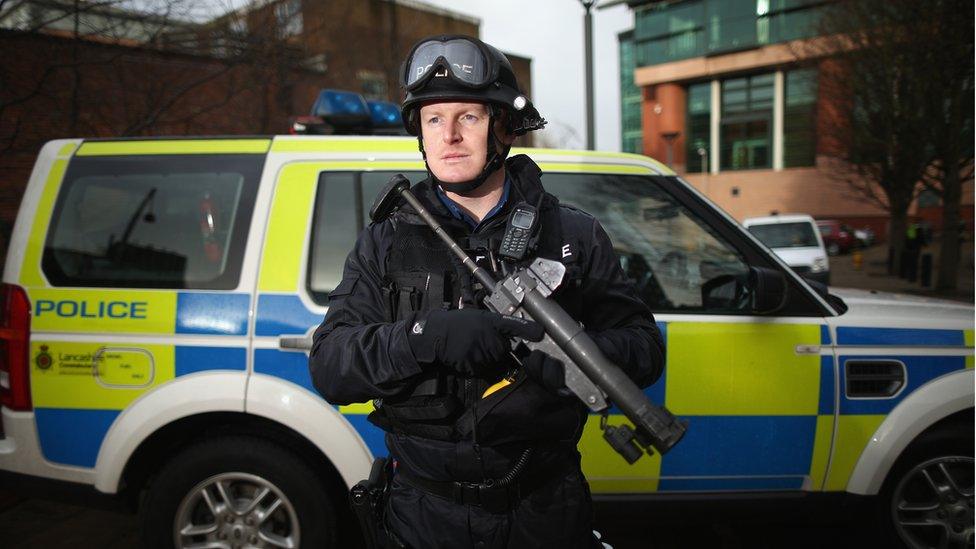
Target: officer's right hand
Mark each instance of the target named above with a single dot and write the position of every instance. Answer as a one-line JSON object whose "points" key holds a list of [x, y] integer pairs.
{"points": [[470, 341]]}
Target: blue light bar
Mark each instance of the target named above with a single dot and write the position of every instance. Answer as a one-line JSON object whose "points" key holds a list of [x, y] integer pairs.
{"points": [[384, 114], [340, 105]]}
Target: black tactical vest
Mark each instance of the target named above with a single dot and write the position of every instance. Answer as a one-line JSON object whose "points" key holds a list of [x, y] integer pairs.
{"points": [[423, 275]]}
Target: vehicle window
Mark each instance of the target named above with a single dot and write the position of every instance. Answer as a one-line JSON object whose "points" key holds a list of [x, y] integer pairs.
{"points": [[667, 250], [342, 203], [785, 235], [152, 221], [824, 230]]}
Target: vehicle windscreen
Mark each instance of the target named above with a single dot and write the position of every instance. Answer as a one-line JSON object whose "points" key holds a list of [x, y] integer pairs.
{"points": [[785, 235], [664, 248]]}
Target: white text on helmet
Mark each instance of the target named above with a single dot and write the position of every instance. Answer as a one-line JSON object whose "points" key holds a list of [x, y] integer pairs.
{"points": [[463, 68]]}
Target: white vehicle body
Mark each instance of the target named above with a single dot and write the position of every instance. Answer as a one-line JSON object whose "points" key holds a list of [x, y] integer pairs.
{"points": [[806, 259]]}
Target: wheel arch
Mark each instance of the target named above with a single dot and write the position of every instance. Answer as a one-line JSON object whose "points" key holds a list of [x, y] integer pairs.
{"points": [[179, 435], [186, 396], [935, 409]]}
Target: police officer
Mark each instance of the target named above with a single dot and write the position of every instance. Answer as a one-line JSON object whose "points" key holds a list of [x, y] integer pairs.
{"points": [[406, 327]]}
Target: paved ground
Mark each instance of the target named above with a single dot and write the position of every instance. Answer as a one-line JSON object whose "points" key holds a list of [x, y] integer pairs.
{"points": [[46, 523], [873, 276]]}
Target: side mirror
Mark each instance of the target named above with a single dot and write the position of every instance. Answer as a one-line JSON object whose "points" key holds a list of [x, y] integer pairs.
{"points": [[768, 288], [760, 291]]}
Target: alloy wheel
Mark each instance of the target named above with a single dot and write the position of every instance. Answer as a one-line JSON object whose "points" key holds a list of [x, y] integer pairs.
{"points": [[932, 505], [236, 511]]}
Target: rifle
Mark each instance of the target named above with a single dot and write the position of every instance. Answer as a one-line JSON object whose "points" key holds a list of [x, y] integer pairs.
{"points": [[589, 374]]}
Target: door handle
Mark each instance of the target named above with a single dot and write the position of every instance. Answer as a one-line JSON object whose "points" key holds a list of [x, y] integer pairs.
{"points": [[298, 343]]}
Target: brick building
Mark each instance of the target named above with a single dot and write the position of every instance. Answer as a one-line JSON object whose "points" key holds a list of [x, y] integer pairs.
{"points": [[243, 73], [730, 97]]}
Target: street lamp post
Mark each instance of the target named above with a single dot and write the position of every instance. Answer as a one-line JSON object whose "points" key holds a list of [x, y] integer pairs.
{"points": [[588, 31]]}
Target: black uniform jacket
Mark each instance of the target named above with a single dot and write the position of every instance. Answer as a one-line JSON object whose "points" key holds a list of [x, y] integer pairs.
{"points": [[359, 354]]}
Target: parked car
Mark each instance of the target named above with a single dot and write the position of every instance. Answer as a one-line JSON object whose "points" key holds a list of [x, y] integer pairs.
{"points": [[796, 240], [159, 296], [837, 237], [865, 237]]}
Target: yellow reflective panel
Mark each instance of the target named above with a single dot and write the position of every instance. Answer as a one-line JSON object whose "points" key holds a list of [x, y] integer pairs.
{"points": [[110, 311], [174, 146], [358, 408], [853, 435], [592, 168], [67, 149], [285, 237], [30, 270], [608, 472], [346, 145], [968, 340], [741, 369], [821, 451], [96, 375]]}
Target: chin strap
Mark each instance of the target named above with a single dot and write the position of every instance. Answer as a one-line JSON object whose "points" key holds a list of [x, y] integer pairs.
{"points": [[493, 162]]}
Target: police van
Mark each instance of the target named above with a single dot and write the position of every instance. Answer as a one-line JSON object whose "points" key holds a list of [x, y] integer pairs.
{"points": [[159, 295]]}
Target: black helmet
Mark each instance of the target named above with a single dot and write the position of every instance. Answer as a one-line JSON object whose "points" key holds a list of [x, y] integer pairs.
{"points": [[456, 67]]}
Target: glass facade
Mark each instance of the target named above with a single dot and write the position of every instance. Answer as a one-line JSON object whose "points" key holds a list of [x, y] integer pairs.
{"points": [[745, 139], [799, 118], [698, 125], [680, 30], [746, 122], [630, 97]]}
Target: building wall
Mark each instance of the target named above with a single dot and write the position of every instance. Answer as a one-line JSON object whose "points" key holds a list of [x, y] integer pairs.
{"points": [[823, 189], [365, 39], [664, 124], [56, 86]]}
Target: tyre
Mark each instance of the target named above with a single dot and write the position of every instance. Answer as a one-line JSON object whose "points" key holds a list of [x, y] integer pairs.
{"points": [[237, 492], [927, 501]]}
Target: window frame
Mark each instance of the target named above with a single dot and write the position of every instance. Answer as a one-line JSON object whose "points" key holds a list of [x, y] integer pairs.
{"points": [[799, 302], [250, 167]]}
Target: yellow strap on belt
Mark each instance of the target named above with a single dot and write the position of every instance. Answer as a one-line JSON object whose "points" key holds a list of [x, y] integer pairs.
{"points": [[504, 382]]}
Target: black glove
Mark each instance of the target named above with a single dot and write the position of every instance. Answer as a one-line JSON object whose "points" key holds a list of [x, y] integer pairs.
{"points": [[547, 371], [471, 341]]}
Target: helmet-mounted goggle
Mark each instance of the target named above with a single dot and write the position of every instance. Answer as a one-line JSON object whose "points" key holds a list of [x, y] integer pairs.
{"points": [[467, 63]]}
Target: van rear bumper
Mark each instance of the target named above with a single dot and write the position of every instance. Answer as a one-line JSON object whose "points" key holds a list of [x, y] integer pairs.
{"points": [[20, 452]]}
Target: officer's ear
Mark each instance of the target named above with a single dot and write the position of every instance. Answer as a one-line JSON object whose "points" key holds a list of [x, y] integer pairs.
{"points": [[501, 129]]}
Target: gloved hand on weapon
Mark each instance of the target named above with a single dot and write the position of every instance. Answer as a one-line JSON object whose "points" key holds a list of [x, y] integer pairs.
{"points": [[473, 342], [547, 371]]}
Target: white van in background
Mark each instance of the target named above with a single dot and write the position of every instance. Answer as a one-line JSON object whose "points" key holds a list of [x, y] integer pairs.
{"points": [[796, 240]]}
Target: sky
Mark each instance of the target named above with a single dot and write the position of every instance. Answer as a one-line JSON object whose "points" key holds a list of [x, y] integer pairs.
{"points": [[550, 32]]}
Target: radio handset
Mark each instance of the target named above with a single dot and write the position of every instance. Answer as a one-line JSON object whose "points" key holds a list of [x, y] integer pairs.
{"points": [[518, 233]]}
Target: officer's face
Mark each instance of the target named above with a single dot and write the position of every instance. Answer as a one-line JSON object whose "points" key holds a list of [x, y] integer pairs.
{"points": [[455, 137]]}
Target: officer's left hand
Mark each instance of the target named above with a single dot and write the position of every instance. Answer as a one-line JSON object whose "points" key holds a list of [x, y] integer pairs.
{"points": [[547, 371]]}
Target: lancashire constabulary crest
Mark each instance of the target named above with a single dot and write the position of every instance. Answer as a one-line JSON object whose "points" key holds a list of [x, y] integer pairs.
{"points": [[43, 360]]}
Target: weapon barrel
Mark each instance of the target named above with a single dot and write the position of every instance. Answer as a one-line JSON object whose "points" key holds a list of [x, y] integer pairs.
{"points": [[659, 424]]}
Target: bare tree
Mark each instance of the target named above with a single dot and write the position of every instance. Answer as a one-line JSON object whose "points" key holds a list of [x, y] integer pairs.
{"points": [[885, 59], [949, 111], [127, 67]]}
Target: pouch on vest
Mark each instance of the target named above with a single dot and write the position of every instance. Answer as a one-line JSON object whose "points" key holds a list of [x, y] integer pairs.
{"points": [[523, 411]]}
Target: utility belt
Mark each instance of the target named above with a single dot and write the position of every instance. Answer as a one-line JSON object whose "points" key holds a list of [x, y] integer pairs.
{"points": [[494, 495]]}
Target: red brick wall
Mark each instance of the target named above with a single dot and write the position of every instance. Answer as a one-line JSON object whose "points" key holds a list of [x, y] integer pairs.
{"points": [[56, 87]]}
